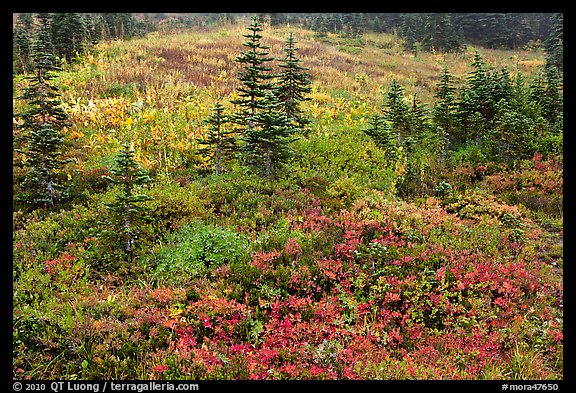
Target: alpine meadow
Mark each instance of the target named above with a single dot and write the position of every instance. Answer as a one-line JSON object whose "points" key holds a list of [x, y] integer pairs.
{"points": [[287, 196]]}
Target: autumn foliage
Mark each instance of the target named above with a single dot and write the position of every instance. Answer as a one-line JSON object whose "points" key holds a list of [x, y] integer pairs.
{"points": [[327, 272]]}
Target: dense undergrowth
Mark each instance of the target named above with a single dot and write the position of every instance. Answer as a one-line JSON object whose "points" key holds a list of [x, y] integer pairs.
{"points": [[325, 273]]}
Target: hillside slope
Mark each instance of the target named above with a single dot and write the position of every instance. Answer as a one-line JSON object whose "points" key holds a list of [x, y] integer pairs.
{"points": [[325, 273]]}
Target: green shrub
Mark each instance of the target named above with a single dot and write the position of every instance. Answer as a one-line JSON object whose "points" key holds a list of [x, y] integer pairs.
{"points": [[196, 248], [174, 206]]}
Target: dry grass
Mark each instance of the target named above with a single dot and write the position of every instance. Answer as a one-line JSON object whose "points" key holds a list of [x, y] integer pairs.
{"points": [[179, 76], [204, 58]]}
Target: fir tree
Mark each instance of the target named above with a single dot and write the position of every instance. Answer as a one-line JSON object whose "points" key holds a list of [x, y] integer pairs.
{"points": [[476, 108], [440, 34], [551, 100], [520, 30], [255, 76], [293, 84], [267, 144], [396, 111], [219, 143], [100, 28], [379, 130], [418, 117], [68, 34], [334, 22], [353, 24], [493, 30], [126, 209], [555, 43], [444, 107], [41, 123], [411, 30], [22, 37]]}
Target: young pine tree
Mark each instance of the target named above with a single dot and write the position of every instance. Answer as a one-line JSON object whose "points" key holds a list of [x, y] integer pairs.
{"points": [[41, 124], [220, 143], [293, 84], [126, 209]]}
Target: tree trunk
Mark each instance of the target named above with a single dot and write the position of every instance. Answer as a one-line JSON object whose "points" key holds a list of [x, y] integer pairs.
{"points": [[128, 245], [268, 161]]}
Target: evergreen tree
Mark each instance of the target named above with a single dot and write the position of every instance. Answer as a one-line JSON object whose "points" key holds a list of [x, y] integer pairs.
{"points": [[493, 31], [277, 19], [293, 84], [219, 143], [267, 144], [551, 99], [68, 34], [520, 30], [21, 40], [397, 111], [501, 86], [512, 133], [92, 30], [475, 108], [444, 108], [440, 33], [335, 22], [555, 43], [320, 23], [42, 123], [412, 31], [379, 130], [126, 209], [377, 23], [101, 29], [418, 117], [255, 76], [353, 24], [120, 25]]}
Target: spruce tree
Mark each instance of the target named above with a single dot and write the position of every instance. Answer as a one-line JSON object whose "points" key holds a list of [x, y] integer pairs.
{"points": [[335, 22], [293, 84], [418, 117], [397, 111], [255, 76], [267, 144], [22, 41], [554, 43], [520, 30], [411, 30], [42, 122], [379, 130], [493, 30], [220, 143], [353, 24], [440, 34], [68, 34], [552, 101], [126, 209], [476, 108], [444, 107]]}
